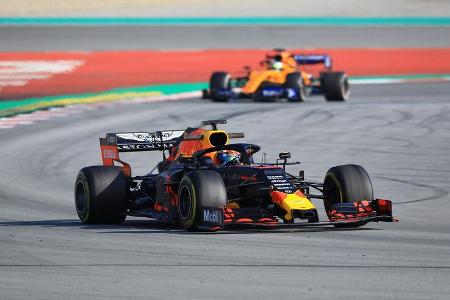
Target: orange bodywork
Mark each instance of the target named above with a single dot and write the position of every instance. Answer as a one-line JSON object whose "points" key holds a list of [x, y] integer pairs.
{"points": [[275, 76], [110, 154], [206, 139], [258, 77]]}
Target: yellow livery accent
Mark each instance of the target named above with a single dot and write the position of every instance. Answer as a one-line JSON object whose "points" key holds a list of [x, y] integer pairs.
{"points": [[291, 202]]}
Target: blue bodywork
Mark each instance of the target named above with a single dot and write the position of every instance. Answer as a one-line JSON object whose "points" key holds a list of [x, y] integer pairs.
{"points": [[313, 59], [272, 91]]}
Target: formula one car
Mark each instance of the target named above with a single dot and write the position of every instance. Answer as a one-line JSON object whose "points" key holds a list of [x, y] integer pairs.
{"points": [[281, 77], [207, 183]]}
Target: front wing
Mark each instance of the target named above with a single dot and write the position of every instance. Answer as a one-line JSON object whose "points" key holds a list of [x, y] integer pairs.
{"points": [[342, 215]]}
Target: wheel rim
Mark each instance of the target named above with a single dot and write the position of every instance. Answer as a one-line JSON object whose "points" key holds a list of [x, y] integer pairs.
{"points": [[344, 87], [80, 197], [304, 90], [185, 202]]}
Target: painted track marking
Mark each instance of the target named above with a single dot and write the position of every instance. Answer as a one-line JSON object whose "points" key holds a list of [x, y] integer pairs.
{"points": [[20, 72], [54, 112]]}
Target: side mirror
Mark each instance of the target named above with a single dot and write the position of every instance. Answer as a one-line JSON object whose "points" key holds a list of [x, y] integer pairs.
{"points": [[235, 135], [284, 155], [301, 175]]}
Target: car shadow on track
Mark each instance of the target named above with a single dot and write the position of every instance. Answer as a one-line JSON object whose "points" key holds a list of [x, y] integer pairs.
{"points": [[153, 226]]}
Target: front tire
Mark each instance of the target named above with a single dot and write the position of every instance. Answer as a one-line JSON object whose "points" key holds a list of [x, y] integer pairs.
{"points": [[199, 189], [295, 88], [335, 86], [346, 184], [101, 195]]}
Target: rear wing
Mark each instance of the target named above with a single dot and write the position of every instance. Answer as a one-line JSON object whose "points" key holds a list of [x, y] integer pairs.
{"points": [[142, 141], [114, 143], [312, 59]]}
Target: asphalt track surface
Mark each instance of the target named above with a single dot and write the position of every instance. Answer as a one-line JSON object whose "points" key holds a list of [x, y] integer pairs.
{"points": [[399, 133], [86, 38]]}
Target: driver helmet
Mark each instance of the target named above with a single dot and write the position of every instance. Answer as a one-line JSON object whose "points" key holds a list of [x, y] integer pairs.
{"points": [[277, 65], [228, 157]]}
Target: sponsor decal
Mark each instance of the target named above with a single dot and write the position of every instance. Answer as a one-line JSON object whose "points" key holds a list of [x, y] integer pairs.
{"points": [[111, 139], [272, 92], [143, 147], [149, 137], [281, 183], [211, 215], [291, 93], [109, 153], [146, 141]]}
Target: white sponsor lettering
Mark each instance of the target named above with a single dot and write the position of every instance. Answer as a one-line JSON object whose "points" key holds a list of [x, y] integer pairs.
{"points": [[212, 216], [270, 93], [150, 137], [108, 153]]}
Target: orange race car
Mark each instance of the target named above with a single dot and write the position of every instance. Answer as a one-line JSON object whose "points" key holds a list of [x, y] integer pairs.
{"points": [[281, 77]]}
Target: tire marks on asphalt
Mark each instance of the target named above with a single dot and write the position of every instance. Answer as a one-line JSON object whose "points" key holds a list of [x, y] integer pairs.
{"points": [[438, 192]]}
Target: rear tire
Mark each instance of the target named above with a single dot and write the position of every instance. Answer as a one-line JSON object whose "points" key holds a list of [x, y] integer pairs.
{"points": [[101, 195], [335, 86], [219, 81], [295, 88], [199, 189], [346, 184]]}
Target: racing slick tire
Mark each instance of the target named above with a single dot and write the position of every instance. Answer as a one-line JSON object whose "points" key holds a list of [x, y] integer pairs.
{"points": [[335, 86], [219, 81], [101, 195], [258, 95], [346, 184], [199, 189], [295, 88]]}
